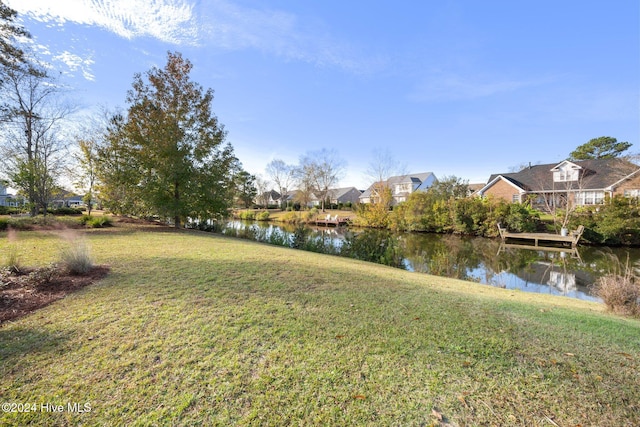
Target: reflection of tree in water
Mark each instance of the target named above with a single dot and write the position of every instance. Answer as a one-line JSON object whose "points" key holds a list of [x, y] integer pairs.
{"points": [[379, 246], [442, 255]]}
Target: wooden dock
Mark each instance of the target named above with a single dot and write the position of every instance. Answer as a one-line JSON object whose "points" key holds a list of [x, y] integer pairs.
{"points": [[539, 239], [335, 221]]}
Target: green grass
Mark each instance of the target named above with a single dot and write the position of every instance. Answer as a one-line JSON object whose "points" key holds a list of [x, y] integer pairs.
{"points": [[198, 329]]}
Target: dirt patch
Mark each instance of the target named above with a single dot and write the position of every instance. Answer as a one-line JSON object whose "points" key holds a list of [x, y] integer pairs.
{"points": [[22, 293]]}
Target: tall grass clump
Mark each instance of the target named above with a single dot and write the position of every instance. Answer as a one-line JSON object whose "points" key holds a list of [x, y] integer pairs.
{"points": [[12, 260], [75, 256], [95, 221], [620, 291]]}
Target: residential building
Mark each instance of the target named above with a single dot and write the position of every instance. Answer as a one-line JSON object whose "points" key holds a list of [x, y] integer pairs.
{"points": [[401, 187], [585, 182], [9, 200], [337, 196]]}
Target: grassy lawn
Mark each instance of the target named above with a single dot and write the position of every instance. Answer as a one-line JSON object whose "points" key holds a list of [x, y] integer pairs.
{"points": [[197, 329]]}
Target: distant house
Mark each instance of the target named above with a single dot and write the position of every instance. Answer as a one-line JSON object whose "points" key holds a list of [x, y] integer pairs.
{"points": [[472, 189], [337, 196], [401, 187], [75, 201], [585, 182], [9, 200], [271, 197]]}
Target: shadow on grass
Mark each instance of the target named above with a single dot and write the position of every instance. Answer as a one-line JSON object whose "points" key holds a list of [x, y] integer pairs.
{"points": [[15, 343]]}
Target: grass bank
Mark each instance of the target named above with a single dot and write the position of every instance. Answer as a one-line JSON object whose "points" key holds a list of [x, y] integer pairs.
{"points": [[198, 329]]}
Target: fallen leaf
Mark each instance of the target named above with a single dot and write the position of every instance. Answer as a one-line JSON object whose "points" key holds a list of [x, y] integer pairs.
{"points": [[359, 397], [627, 355], [466, 363], [339, 336], [569, 354], [462, 400]]}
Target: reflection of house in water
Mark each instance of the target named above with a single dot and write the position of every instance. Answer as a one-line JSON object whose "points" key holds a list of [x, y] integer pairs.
{"points": [[564, 282], [556, 276]]}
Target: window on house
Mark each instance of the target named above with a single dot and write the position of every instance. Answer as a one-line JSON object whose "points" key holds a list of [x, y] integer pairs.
{"points": [[403, 188], [633, 193], [515, 198], [590, 197], [565, 175]]}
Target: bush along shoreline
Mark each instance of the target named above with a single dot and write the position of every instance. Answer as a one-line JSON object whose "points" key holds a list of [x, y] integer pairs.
{"points": [[614, 223]]}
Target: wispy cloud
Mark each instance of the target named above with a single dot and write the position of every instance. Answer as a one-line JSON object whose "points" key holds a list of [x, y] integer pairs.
{"points": [[230, 26], [456, 87], [76, 63], [171, 21], [217, 24]]}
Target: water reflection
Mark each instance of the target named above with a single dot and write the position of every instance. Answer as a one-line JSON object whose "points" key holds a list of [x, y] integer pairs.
{"points": [[487, 261]]}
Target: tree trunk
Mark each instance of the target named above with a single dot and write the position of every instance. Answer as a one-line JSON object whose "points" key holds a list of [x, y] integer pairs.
{"points": [[176, 197]]}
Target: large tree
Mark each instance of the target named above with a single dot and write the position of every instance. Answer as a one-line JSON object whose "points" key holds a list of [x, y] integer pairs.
{"points": [[604, 147], [181, 167], [323, 170], [85, 168], [119, 171], [34, 147], [382, 166], [262, 187], [11, 55], [283, 176], [451, 187], [245, 186]]}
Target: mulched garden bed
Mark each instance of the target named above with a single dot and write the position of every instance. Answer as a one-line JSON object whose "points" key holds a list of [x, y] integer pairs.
{"points": [[21, 293]]}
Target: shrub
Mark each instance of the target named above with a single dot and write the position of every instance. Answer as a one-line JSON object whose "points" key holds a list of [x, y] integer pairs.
{"points": [[43, 275], [290, 218], [65, 211], [248, 215], [299, 237], [97, 221], [75, 257], [4, 224], [620, 292], [263, 216]]}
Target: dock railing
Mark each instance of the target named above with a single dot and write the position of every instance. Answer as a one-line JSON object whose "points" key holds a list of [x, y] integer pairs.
{"points": [[572, 238]]}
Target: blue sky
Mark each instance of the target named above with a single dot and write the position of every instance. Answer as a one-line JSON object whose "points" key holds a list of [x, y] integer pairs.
{"points": [[464, 88]]}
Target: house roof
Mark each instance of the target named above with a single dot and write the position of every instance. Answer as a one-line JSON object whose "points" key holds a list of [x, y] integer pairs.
{"points": [[415, 178], [336, 193], [597, 174]]}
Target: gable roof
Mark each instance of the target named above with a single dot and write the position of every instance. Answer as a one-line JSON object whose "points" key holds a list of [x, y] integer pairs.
{"points": [[336, 193], [597, 174]]}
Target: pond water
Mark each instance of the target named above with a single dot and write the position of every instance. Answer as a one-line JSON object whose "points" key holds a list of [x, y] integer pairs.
{"points": [[485, 261]]}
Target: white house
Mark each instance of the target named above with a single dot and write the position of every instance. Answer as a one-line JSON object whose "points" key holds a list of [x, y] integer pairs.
{"points": [[7, 199], [401, 186]]}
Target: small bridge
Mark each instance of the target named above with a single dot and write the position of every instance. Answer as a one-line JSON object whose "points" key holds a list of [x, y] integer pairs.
{"points": [[539, 239]]}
